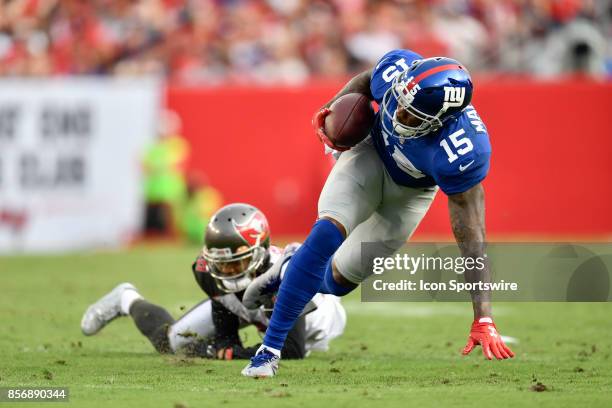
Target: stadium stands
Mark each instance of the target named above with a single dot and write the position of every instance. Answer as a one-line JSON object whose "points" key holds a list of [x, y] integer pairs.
{"points": [[289, 41]]}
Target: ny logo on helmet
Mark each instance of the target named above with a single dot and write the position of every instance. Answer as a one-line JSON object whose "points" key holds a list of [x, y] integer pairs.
{"points": [[453, 96]]}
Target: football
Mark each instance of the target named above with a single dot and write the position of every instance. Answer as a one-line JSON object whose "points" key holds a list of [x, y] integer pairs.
{"points": [[350, 120]]}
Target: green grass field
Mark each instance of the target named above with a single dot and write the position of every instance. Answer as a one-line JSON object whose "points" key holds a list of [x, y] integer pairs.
{"points": [[392, 354]]}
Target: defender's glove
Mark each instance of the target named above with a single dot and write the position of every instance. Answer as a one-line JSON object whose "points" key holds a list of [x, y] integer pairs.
{"points": [[485, 333], [235, 352], [318, 122], [222, 353]]}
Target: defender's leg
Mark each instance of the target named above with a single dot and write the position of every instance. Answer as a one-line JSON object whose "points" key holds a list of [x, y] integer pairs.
{"points": [[193, 327], [189, 334], [153, 322], [110, 306]]}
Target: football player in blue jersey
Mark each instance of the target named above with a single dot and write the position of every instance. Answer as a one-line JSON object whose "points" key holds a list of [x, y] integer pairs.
{"points": [[426, 137]]}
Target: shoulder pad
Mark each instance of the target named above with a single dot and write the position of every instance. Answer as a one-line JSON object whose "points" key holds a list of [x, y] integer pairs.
{"points": [[200, 264]]}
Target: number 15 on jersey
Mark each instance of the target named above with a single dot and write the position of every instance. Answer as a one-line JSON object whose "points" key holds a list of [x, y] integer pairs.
{"points": [[461, 145]]}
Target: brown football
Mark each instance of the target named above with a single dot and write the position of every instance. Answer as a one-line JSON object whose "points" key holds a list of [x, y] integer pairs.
{"points": [[350, 120]]}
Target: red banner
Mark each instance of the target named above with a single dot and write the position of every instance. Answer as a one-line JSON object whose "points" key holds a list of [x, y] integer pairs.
{"points": [[551, 167]]}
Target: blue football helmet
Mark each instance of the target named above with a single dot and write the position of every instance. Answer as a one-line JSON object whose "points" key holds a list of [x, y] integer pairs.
{"points": [[433, 90]]}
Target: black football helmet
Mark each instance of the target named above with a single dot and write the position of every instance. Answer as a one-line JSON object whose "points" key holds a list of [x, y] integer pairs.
{"points": [[236, 246]]}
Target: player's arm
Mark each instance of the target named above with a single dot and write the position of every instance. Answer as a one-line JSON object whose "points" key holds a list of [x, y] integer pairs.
{"points": [[360, 83], [226, 344], [467, 211], [226, 325]]}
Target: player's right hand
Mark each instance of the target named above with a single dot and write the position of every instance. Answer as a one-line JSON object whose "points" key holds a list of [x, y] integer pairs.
{"points": [[484, 333], [318, 123]]}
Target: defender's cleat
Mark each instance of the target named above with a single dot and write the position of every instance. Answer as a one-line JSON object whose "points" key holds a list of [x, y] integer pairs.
{"points": [[105, 310], [263, 364]]}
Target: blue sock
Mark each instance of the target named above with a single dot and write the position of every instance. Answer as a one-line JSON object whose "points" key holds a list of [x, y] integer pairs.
{"points": [[302, 280], [330, 286]]}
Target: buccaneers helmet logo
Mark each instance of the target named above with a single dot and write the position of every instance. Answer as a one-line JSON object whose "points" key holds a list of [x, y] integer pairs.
{"points": [[254, 231]]}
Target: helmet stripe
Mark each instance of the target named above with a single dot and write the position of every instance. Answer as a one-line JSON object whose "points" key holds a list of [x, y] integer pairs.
{"points": [[430, 72]]}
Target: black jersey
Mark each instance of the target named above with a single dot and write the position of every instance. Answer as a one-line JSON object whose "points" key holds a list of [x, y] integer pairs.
{"points": [[229, 314]]}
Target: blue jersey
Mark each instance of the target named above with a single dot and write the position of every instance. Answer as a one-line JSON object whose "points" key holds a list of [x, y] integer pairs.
{"points": [[455, 157]]}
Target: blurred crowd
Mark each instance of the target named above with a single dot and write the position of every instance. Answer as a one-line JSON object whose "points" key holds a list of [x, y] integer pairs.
{"points": [[288, 41]]}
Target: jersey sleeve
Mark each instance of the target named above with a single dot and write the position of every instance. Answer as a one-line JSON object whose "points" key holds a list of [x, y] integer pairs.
{"points": [[388, 67], [467, 170], [203, 278]]}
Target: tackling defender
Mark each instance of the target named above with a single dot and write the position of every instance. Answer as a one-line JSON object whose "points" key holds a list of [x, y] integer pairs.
{"points": [[237, 249], [426, 136]]}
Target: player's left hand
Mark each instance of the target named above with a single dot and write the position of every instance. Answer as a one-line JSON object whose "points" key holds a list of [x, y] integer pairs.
{"points": [[484, 333], [318, 122]]}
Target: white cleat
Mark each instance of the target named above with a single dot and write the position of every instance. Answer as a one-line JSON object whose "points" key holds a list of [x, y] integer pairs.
{"points": [[105, 310], [263, 364]]}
